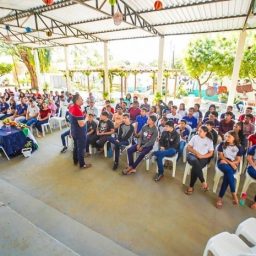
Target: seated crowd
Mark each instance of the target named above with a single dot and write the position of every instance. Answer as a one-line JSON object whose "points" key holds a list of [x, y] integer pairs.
{"points": [[32, 108], [146, 131]]}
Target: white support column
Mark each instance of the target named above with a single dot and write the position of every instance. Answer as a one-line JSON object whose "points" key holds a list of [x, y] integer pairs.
{"points": [[68, 80], [160, 64], [37, 67], [106, 78], [236, 68]]}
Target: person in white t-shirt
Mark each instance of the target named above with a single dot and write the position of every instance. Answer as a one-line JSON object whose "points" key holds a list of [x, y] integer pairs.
{"points": [[32, 113], [200, 149]]}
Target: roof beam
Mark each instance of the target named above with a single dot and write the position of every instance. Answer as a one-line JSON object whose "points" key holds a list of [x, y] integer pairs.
{"points": [[131, 17], [250, 11]]}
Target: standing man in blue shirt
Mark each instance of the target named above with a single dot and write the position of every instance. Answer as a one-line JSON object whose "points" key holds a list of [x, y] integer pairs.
{"points": [[78, 131]]}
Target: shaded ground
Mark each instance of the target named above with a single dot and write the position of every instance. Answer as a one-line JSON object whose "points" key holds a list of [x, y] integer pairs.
{"points": [[145, 217]]}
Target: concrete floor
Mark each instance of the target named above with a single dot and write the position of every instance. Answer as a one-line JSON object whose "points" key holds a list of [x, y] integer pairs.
{"points": [[140, 215]]}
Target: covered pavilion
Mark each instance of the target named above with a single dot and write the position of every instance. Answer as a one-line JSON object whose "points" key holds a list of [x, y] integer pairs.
{"points": [[57, 209]]}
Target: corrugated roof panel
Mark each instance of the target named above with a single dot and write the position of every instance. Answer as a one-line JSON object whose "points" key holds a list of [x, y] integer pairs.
{"points": [[124, 34], [20, 5], [4, 12], [149, 4], [103, 25], [74, 13], [192, 27], [206, 11]]}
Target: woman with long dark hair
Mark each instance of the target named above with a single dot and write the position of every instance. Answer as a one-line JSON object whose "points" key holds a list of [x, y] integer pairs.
{"points": [[229, 156], [238, 128], [200, 149]]}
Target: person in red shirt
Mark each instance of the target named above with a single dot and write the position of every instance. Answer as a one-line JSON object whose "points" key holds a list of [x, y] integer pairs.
{"points": [[43, 118], [134, 111], [247, 111]]}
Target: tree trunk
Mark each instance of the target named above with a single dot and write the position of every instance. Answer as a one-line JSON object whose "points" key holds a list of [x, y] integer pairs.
{"points": [[135, 82], [199, 89], [153, 86], [125, 85], [122, 91], [15, 71], [166, 88], [88, 83], [175, 87], [31, 69]]}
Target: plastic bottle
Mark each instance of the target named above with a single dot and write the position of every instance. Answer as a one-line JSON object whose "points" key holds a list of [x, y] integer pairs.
{"points": [[242, 199]]}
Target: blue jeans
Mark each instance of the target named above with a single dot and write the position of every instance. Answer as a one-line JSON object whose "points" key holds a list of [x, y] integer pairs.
{"points": [[30, 121], [63, 137], [78, 152], [117, 147], [181, 148], [132, 150], [228, 179], [39, 123], [160, 155], [252, 172]]}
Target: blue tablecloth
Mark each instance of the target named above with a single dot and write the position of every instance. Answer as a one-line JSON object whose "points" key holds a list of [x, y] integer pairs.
{"points": [[12, 141]]}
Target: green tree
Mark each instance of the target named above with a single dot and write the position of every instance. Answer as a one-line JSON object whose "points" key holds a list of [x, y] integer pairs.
{"points": [[5, 69], [44, 56], [248, 65], [199, 59]]}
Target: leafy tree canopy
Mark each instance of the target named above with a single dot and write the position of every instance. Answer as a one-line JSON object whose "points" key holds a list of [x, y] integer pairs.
{"points": [[5, 69]]}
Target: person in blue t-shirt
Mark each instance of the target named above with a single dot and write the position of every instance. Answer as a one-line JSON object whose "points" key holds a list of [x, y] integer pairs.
{"points": [[141, 120], [3, 107], [190, 119], [21, 111]]}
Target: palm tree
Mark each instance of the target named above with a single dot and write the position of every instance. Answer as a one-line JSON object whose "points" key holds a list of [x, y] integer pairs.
{"points": [[135, 72], [153, 76], [167, 75], [88, 73]]}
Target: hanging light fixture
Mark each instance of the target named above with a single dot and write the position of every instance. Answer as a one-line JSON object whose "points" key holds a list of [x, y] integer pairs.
{"points": [[49, 33], [7, 27], [158, 5], [28, 29], [48, 2], [118, 18]]}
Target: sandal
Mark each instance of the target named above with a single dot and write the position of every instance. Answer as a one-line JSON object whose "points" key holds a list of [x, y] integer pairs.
{"points": [[253, 206], [205, 189], [86, 166], [124, 171], [132, 171], [219, 204], [189, 191]]}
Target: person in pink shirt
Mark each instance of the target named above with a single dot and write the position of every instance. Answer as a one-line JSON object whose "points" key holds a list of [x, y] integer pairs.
{"points": [[52, 107]]}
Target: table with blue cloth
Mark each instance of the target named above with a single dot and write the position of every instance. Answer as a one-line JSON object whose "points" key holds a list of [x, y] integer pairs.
{"points": [[12, 140]]}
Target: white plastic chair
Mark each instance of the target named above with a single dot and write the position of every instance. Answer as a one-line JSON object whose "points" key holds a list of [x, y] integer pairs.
{"points": [[173, 159], [1, 147], [45, 127], [219, 174], [61, 117], [226, 244], [247, 229], [248, 181], [187, 171]]}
